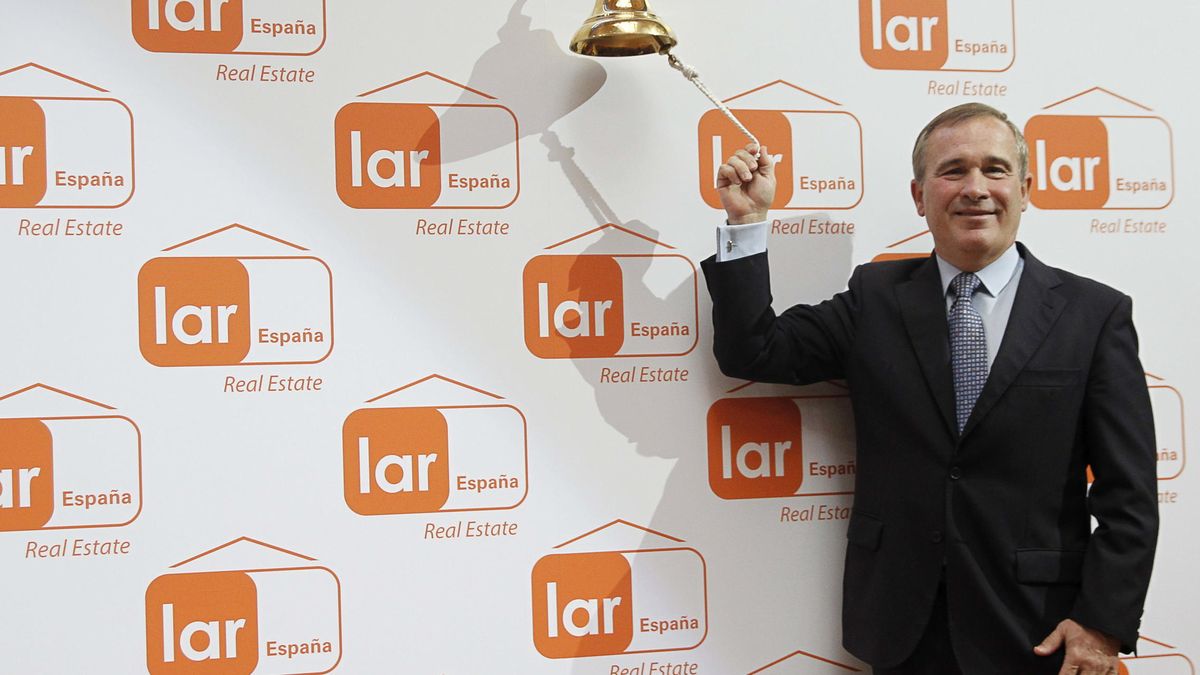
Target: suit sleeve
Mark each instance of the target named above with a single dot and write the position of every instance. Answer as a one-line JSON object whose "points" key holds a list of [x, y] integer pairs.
{"points": [[1118, 433], [805, 344]]}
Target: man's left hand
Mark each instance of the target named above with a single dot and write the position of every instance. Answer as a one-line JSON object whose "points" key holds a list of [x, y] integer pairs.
{"points": [[1089, 652]]}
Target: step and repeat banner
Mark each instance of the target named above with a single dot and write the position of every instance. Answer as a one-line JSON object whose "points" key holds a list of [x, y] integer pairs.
{"points": [[369, 337]]}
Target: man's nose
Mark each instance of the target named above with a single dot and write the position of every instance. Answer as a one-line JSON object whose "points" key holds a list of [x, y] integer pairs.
{"points": [[975, 185]]}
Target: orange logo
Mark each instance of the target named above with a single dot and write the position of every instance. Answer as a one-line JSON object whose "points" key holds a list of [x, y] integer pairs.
{"points": [[61, 467], [598, 603], [396, 460], [202, 623], [26, 475], [818, 154], [397, 154], [583, 604], [284, 620], [388, 155], [229, 26], [194, 311], [598, 305], [755, 448], [23, 145], [1100, 161], [400, 459], [952, 35], [719, 139], [206, 311], [573, 306], [202, 26], [903, 34], [64, 151], [1068, 155]]}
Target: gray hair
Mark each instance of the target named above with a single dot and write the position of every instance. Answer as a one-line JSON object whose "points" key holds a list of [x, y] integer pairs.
{"points": [[962, 113]]}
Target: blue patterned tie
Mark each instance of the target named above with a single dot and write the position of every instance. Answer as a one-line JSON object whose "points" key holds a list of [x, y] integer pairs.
{"points": [[968, 347]]}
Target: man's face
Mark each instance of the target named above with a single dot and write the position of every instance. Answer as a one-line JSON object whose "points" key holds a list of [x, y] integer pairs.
{"points": [[972, 194]]}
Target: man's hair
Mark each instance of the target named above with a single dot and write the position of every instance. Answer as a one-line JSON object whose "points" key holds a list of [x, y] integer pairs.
{"points": [[962, 113]]}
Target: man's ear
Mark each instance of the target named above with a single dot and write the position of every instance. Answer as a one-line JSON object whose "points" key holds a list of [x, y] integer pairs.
{"points": [[918, 195], [1026, 189]]}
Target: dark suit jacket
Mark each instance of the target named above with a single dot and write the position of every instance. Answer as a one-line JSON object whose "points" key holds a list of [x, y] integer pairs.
{"points": [[1005, 506]]}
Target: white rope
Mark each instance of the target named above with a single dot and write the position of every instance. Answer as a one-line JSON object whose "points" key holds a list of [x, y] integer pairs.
{"points": [[694, 77]]}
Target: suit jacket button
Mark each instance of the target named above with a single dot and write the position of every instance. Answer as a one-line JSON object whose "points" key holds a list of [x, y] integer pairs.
{"points": [[936, 536], [955, 473]]}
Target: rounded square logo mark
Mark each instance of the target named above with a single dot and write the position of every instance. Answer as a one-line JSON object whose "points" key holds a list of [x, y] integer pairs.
{"points": [[194, 311], [574, 306], [388, 155], [1068, 155], [719, 139], [26, 474], [582, 605], [22, 152], [202, 623], [904, 34], [197, 26], [755, 448], [396, 460]]}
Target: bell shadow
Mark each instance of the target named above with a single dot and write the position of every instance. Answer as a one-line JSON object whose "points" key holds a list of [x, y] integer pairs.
{"points": [[530, 74]]}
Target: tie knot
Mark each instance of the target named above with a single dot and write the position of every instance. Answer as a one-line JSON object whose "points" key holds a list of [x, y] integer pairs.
{"points": [[965, 284]]}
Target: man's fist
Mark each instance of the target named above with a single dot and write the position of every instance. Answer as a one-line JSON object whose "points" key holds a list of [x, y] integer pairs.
{"points": [[747, 185]]}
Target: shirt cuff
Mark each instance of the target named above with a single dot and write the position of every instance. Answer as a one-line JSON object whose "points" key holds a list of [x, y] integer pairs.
{"points": [[739, 241]]}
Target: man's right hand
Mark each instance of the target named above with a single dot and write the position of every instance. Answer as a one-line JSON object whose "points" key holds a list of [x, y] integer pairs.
{"points": [[747, 186]]}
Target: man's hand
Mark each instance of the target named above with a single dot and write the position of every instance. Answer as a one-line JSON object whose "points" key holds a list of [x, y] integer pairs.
{"points": [[747, 185], [1089, 652]]}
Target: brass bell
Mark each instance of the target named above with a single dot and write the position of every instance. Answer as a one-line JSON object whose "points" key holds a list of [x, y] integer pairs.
{"points": [[622, 28]]}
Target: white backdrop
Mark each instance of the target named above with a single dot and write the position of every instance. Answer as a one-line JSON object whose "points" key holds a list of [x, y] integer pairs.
{"points": [[346, 416]]}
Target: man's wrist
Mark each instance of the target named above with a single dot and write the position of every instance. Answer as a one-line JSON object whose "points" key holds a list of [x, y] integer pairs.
{"points": [[756, 217]]}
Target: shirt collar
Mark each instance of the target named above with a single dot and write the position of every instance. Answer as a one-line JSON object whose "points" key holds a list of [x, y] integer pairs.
{"points": [[994, 277]]}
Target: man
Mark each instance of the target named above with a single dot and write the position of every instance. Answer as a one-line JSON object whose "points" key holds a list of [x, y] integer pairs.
{"points": [[984, 385]]}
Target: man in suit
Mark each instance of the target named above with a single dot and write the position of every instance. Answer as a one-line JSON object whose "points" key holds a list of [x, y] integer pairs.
{"points": [[984, 384]]}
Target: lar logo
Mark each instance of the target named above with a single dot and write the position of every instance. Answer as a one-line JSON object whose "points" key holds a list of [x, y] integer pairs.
{"points": [[280, 620], [398, 154], [805, 663], [66, 462], [818, 153], [601, 305], [948, 35], [608, 602], [423, 458], [757, 448], [229, 26], [216, 310], [59, 151], [1082, 161]]}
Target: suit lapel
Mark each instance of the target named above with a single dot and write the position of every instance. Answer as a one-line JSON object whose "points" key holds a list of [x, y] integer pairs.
{"points": [[1035, 309], [923, 306]]}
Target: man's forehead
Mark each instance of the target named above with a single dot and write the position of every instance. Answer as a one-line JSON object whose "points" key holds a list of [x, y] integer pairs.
{"points": [[978, 137]]}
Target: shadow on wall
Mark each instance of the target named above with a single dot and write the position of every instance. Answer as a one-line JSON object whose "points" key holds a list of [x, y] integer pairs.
{"points": [[804, 271], [532, 75]]}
